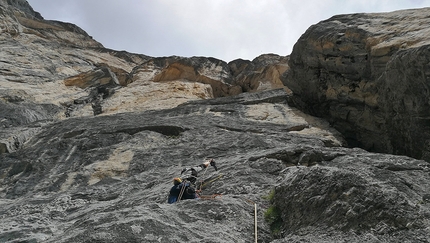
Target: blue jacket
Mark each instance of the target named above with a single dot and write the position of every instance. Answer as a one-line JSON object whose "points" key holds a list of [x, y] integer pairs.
{"points": [[189, 192]]}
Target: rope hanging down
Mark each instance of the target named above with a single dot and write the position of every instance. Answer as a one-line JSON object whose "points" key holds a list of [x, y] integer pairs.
{"points": [[255, 222], [201, 181], [255, 217]]}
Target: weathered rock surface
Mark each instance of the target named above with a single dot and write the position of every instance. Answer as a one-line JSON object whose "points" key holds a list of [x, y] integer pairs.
{"points": [[73, 180], [368, 75], [263, 73], [91, 138], [333, 196], [45, 63], [105, 178]]}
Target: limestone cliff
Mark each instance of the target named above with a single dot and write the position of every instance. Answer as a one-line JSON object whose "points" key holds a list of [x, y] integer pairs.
{"points": [[91, 138], [368, 75], [53, 70]]}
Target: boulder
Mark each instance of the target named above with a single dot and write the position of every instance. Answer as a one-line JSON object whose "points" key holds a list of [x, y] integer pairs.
{"points": [[366, 74]]}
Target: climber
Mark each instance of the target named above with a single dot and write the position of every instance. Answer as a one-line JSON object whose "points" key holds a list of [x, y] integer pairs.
{"points": [[182, 189], [191, 174]]}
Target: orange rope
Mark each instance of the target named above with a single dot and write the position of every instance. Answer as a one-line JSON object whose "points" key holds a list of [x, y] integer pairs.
{"points": [[208, 197]]}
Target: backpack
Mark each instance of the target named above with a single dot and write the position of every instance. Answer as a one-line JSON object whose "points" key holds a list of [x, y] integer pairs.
{"points": [[189, 174], [189, 193]]}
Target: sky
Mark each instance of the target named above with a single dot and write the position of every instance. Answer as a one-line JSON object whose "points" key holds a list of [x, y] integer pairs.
{"points": [[224, 29]]}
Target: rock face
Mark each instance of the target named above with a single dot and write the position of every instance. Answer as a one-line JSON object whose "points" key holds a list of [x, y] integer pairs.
{"points": [[49, 63], [91, 139], [264, 72], [334, 196], [368, 75], [106, 178]]}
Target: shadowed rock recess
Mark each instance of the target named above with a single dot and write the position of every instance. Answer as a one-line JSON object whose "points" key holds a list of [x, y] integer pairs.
{"points": [[91, 138]]}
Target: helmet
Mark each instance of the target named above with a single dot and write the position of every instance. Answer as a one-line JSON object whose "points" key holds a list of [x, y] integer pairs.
{"points": [[177, 181]]}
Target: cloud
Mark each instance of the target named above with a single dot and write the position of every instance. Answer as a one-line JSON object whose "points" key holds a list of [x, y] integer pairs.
{"points": [[223, 29]]}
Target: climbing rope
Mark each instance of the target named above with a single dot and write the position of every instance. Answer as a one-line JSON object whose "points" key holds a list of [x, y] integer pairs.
{"points": [[214, 179], [209, 197], [255, 216], [182, 190], [255, 222], [201, 181]]}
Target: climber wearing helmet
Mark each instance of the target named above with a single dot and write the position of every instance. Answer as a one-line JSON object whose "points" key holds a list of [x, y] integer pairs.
{"points": [[183, 187]]}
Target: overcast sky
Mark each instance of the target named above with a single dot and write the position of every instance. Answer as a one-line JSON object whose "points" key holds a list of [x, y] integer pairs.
{"points": [[224, 29]]}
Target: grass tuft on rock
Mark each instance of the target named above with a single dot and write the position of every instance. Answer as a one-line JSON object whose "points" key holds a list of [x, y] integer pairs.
{"points": [[273, 216]]}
